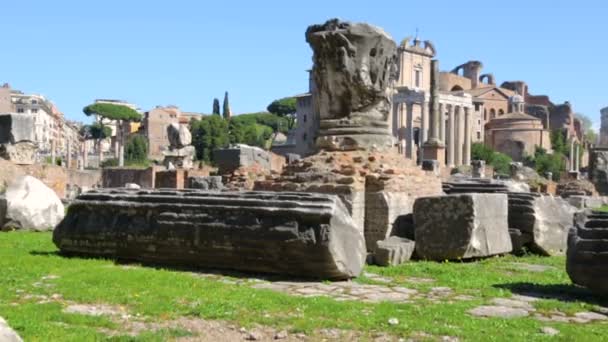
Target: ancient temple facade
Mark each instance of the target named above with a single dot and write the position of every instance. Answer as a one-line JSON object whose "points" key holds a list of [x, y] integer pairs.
{"points": [[460, 117]]}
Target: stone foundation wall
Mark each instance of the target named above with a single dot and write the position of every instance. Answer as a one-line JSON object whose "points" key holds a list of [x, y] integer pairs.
{"points": [[173, 179], [118, 177]]}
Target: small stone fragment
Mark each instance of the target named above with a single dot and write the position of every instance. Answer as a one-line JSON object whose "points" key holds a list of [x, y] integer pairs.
{"points": [[393, 321], [549, 331]]}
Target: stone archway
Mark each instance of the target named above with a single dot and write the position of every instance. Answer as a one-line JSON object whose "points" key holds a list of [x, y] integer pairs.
{"points": [[456, 88]]}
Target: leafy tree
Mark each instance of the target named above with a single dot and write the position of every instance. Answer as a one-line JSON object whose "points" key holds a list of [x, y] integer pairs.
{"points": [[216, 106], [558, 142], [499, 161], [285, 107], [97, 132], [208, 134], [226, 107], [276, 122], [118, 113], [136, 149], [587, 128]]}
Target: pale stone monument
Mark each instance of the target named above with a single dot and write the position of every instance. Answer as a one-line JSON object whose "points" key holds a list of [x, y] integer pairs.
{"points": [[180, 153], [354, 67]]}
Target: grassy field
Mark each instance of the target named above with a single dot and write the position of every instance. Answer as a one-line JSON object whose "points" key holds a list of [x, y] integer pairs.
{"points": [[37, 284]]}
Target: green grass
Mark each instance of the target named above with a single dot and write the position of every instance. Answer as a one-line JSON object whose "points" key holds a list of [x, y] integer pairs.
{"points": [[157, 295], [603, 208]]}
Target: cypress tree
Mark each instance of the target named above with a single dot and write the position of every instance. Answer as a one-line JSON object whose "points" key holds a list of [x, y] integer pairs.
{"points": [[226, 107], [216, 106]]}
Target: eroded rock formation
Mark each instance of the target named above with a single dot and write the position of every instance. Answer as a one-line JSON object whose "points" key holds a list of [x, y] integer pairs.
{"points": [[307, 235]]}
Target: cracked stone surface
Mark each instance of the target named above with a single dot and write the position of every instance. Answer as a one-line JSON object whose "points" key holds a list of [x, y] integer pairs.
{"points": [[498, 311]]}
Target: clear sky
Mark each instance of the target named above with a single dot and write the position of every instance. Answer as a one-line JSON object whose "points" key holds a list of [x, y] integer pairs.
{"points": [[188, 52]]}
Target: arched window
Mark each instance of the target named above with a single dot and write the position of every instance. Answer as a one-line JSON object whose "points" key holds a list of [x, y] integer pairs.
{"points": [[501, 112], [457, 88]]}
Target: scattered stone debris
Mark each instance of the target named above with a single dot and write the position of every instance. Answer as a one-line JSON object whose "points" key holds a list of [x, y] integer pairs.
{"points": [[393, 321], [549, 331]]}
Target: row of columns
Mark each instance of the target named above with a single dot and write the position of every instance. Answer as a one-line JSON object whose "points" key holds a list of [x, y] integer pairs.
{"points": [[457, 138]]}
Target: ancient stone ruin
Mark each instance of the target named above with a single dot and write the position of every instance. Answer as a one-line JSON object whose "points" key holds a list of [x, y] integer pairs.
{"points": [[539, 222], [17, 143], [180, 153], [300, 234], [461, 226], [586, 257], [354, 67]]}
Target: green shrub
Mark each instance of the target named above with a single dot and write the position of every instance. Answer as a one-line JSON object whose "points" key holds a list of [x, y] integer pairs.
{"points": [[136, 149], [499, 161]]}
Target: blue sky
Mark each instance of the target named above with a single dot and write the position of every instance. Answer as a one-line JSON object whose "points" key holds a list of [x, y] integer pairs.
{"points": [[188, 52]]}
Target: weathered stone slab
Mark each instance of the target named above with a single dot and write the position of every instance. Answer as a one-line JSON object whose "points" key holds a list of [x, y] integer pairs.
{"points": [[178, 135], [544, 219], [587, 255], [300, 234], [7, 334], [205, 182], [232, 158], [461, 226], [393, 251]]}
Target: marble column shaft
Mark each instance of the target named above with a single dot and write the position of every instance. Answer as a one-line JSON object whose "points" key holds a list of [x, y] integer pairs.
{"points": [[410, 130], [467, 136], [451, 138]]}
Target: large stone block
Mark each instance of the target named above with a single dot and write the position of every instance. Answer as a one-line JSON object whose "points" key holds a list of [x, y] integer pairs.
{"points": [[205, 182], [230, 159], [544, 219], [393, 251], [31, 205], [461, 226], [15, 128], [586, 258], [382, 210], [300, 234]]}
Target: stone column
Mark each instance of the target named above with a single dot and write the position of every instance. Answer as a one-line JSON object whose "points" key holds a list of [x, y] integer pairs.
{"points": [[121, 144], [53, 152], [467, 136], [424, 126], [572, 169], [85, 154], [459, 131], [441, 122], [577, 159], [451, 140], [409, 112], [68, 154]]}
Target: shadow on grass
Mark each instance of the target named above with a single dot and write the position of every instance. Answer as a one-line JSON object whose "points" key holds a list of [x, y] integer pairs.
{"points": [[561, 292], [202, 271]]}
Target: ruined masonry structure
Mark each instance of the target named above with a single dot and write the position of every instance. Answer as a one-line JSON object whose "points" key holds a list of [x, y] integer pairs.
{"points": [[307, 235], [587, 248]]}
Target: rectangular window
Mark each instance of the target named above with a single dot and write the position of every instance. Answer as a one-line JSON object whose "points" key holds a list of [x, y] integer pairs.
{"points": [[477, 106], [304, 117], [34, 111], [418, 77], [478, 135], [20, 110]]}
